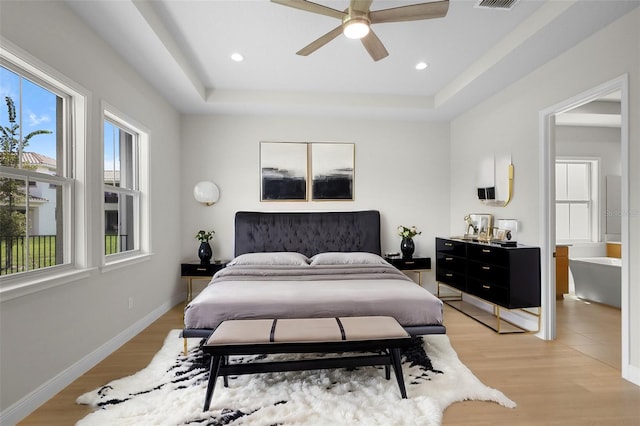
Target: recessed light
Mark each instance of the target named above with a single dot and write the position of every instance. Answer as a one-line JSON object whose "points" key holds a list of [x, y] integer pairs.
{"points": [[237, 57], [421, 65]]}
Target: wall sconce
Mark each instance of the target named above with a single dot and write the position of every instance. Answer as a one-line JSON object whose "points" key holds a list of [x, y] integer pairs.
{"points": [[206, 192]]}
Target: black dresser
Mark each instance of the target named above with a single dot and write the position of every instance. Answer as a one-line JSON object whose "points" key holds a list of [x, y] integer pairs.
{"points": [[508, 277]]}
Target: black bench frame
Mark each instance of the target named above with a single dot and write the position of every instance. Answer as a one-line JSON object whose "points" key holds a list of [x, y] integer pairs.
{"points": [[389, 356]]}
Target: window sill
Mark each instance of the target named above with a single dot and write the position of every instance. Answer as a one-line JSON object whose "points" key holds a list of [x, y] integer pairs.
{"points": [[18, 287], [126, 261]]}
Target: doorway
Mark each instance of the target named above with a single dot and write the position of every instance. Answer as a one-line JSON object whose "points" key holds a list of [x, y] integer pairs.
{"points": [[548, 119], [588, 227]]}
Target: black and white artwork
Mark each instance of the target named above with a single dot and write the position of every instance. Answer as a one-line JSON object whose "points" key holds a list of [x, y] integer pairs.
{"points": [[283, 171], [332, 171]]}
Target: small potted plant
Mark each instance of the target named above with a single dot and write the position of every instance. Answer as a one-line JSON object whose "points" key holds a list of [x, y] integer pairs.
{"points": [[205, 252], [407, 246]]}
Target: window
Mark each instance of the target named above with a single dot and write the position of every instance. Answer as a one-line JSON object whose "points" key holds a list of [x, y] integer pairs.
{"points": [[124, 166], [43, 140], [35, 175], [576, 200]]}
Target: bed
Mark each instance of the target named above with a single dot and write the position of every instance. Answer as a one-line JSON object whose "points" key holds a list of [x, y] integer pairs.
{"points": [[310, 265]]}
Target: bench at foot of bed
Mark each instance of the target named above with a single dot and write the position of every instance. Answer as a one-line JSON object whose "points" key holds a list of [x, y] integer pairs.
{"points": [[308, 335]]}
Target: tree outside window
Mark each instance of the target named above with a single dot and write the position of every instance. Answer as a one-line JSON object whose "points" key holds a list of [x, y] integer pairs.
{"points": [[31, 181]]}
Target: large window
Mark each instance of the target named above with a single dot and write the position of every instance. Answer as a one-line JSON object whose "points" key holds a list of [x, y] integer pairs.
{"points": [[124, 165], [36, 196], [576, 200]]}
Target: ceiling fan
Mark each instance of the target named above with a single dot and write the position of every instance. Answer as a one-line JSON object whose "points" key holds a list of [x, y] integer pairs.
{"points": [[357, 20]]}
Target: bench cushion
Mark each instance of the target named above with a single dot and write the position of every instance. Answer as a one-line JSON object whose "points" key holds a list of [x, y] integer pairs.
{"points": [[305, 330]]}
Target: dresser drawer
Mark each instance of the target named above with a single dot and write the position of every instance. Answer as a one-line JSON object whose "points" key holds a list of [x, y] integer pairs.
{"points": [[489, 272], [450, 262], [457, 248], [488, 291], [454, 279], [488, 254]]}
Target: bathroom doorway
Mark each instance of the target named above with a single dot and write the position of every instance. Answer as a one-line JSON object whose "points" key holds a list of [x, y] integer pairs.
{"points": [[588, 228], [589, 327]]}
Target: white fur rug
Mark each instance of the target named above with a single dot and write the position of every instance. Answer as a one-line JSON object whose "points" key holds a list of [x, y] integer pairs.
{"points": [[171, 390]]}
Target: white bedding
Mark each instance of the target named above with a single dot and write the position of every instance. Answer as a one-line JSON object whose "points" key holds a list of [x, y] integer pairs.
{"points": [[334, 291]]}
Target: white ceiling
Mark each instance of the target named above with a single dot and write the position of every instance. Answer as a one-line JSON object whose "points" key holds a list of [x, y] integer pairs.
{"points": [[183, 48]]}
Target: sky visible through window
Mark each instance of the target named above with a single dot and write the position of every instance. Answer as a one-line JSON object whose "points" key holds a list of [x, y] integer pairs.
{"points": [[111, 147], [37, 111]]}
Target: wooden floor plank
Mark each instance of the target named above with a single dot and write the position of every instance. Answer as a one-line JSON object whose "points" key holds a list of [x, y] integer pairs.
{"points": [[553, 383]]}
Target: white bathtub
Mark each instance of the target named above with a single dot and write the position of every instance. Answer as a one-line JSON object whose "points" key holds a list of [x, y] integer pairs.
{"points": [[597, 279]]}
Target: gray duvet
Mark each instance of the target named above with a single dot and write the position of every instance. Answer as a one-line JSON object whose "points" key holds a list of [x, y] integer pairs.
{"points": [[242, 292]]}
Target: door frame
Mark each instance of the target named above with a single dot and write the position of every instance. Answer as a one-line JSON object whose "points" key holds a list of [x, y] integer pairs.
{"points": [[547, 208]]}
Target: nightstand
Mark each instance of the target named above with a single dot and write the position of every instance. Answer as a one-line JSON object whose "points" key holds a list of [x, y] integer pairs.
{"points": [[198, 271], [417, 265]]}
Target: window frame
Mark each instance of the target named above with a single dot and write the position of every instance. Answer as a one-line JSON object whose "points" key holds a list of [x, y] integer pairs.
{"points": [[142, 243], [591, 202], [73, 167]]}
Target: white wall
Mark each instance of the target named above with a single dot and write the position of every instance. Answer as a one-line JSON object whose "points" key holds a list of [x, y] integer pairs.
{"points": [[45, 334], [508, 122], [402, 169]]}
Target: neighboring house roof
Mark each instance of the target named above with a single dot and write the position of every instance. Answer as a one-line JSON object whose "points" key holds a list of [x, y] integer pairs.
{"points": [[112, 176], [36, 159]]}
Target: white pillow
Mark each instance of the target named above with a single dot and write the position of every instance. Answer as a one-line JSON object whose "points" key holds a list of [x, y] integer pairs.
{"points": [[270, 258], [351, 258]]}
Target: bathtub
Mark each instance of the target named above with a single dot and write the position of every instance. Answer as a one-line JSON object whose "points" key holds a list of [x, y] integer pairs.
{"points": [[597, 279]]}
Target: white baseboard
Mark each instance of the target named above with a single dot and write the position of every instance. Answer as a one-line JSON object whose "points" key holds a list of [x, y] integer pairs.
{"points": [[632, 374], [21, 409]]}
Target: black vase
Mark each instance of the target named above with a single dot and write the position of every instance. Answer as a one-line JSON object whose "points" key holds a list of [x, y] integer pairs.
{"points": [[407, 247], [205, 253]]}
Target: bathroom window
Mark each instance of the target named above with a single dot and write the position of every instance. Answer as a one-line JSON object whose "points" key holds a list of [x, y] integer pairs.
{"points": [[576, 200]]}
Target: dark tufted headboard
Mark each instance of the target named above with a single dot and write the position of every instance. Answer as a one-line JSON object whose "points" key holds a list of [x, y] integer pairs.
{"points": [[308, 233]]}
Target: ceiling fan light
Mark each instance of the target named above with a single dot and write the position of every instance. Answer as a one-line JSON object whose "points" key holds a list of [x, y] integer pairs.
{"points": [[356, 29]]}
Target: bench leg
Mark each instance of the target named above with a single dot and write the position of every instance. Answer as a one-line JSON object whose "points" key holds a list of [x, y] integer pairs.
{"points": [[397, 367], [225, 361], [387, 372], [213, 375]]}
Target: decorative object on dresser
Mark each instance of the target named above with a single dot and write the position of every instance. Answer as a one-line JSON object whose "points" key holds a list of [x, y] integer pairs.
{"points": [[205, 252], [407, 247], [417, 265], [198, 271], [505, 277], [478, 227]]}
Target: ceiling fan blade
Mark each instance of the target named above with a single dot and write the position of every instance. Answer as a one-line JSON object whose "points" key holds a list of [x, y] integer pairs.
{"points": [[318, 43], [374, 46], [307, 6], [414, 12], [359, 5]]}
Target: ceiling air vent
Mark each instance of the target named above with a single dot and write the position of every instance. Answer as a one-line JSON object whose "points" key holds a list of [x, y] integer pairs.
{"points": [[496, 4]]}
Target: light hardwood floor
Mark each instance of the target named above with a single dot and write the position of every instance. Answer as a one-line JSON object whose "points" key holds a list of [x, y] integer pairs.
{"points": [[552, 383]]}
